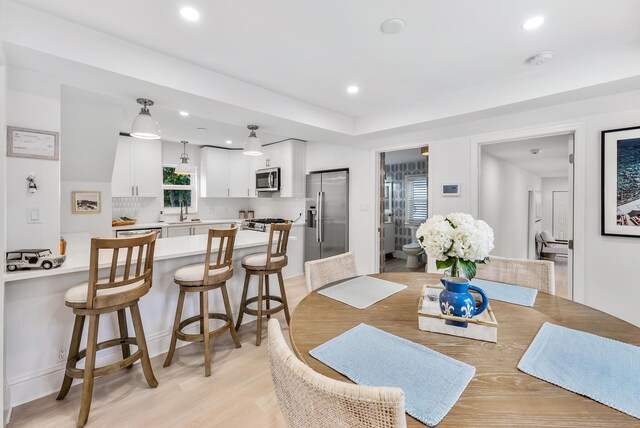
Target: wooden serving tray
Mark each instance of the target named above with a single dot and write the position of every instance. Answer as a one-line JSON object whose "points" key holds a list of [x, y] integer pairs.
{"points": [[430, 318], [116, 223]]}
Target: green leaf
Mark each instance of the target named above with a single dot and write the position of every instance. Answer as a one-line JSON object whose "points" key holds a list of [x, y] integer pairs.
{"points": [[445, 264], [469, 268]]}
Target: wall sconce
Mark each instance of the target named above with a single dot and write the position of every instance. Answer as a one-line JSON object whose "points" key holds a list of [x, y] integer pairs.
{"points": [[32, 187]]}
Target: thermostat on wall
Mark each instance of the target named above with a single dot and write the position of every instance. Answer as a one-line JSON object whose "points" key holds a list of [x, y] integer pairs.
{"points": [[450, 190]]}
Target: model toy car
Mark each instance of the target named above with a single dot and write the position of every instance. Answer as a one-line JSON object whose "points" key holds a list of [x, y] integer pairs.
{"points": [[21, 259]]}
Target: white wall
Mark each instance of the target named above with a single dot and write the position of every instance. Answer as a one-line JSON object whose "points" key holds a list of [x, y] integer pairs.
{"points": [[549, 185], [504, 204], [33, 111], [4, 395], [605, 279]]}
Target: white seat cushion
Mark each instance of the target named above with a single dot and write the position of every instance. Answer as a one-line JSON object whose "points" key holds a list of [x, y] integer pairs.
{"points": [[259, 259], [196, 272], [78, 293]]}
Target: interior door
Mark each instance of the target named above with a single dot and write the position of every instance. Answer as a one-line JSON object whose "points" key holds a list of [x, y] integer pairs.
{"points": [[384, 195], [559, 209], [569, 223]]}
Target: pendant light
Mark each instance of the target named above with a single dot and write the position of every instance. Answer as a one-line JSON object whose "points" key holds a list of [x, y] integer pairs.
{"points": [[252, 146], [144, 126], [183, 167]]}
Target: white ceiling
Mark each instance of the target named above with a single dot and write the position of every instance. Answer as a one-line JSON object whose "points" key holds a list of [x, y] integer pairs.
{"points": [[552, 161], [311, 50]]}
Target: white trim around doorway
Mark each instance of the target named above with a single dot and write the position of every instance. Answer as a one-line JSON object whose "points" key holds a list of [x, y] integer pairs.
{"points": [[579, 190]]}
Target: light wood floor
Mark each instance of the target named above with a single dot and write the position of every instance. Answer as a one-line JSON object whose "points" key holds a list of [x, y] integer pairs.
{"points": [[239, 392]]}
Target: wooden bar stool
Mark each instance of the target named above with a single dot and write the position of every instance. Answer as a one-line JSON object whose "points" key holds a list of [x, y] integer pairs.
{"points": [[196, 279], [263, 265], [102, 296]]}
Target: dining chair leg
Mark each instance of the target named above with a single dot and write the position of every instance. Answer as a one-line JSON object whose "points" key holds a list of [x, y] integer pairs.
{"points": [[89, 366], [204, 309], [74, 347], [201, 315], [176, 326], [227, 307], [259, 309], [266, 293], [141, 341], [247, 277], [124, 334], [283, 294]]}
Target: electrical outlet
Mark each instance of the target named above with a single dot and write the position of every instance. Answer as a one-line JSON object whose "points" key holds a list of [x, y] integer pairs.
{"points": [[62, 354]]}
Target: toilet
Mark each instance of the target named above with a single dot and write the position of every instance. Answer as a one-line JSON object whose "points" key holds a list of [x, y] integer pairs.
{"points": [[412, 250]]}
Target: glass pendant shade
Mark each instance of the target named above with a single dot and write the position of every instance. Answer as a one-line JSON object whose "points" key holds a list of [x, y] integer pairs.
{"points": [[183, 167], [144, 126], [252, 147]]}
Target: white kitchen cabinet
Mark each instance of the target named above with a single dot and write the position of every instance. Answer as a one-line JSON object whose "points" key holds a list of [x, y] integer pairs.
{"points": [[202, 229], [214, 173], [137, 170], [241, 173], [289, 156]]}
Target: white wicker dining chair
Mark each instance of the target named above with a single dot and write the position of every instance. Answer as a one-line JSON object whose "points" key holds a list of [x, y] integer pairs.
{"points": [[310, 400], [324, 271], [538, 274]]}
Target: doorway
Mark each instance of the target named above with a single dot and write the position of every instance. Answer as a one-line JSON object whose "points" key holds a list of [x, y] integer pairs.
{"points": [[526, 195], [403, 199]]}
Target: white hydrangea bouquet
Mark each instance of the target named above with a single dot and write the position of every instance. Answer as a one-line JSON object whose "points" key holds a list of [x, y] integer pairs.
{"points": [[457, 242]]}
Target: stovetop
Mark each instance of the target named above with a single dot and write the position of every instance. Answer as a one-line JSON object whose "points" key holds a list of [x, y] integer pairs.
{"points": [[260, 224]]}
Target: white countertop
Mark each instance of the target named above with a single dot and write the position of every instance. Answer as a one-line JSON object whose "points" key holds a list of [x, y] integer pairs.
{"points": [[79, 244], [172, 224]]}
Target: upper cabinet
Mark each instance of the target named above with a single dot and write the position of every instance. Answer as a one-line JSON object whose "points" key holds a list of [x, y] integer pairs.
{"points": [[289, 156], [137, 169], [229, 173], [214, 173]]}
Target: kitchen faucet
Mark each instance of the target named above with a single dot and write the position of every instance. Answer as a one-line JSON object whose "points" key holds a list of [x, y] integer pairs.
{"points": [[185, 206]]}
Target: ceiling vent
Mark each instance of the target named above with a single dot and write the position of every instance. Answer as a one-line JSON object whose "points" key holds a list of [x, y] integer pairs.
{"points": [[540, 58]]}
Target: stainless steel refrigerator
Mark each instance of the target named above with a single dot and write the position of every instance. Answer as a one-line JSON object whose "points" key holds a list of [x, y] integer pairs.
{"points": [[326, 214]]}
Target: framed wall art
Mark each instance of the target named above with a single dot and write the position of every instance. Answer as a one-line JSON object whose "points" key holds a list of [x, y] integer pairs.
{"points": [[621, 182], [86, 202], [32, 143]]}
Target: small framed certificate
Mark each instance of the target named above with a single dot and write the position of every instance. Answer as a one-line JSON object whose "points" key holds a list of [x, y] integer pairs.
{"points": [[32, 143]]}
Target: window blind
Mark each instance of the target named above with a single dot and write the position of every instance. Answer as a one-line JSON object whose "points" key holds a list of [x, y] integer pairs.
{"points": [[415, 201]]}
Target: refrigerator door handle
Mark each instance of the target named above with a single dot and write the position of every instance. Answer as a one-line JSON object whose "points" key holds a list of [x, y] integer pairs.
{"points": [[321, 217], [318, 217]]}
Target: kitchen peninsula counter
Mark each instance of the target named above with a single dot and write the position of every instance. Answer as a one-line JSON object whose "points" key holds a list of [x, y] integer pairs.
{"points": [[35, 308]]}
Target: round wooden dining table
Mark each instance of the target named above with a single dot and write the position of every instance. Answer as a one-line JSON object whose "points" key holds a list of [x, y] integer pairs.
{"points": [[499, 394]]}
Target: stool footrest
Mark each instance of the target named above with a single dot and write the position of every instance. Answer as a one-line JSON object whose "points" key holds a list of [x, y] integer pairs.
{"points": [[247, 310], [187, 337], [77, 373]]}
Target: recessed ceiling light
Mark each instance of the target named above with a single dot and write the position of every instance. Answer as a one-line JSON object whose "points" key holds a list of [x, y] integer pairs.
{"points": [[200, 128], [392, 26], [229, 142], [184, 113], [353, 89], [535, 151], [533, 22], [189, 13]]}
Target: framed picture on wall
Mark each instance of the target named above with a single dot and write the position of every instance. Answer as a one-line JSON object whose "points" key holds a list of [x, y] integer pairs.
{"points": [[32, 143], [86, 202], [621, 182]]}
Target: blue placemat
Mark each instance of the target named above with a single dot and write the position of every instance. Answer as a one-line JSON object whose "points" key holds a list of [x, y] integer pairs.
{"points": [[507, 292], [432, 382], [605, 370]]}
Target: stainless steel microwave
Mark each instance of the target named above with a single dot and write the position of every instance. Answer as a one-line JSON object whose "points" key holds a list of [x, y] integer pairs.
{"points": [[268, 180]]}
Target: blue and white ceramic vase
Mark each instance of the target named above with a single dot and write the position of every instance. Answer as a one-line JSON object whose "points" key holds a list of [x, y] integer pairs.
{"points": [[456, 300]]}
